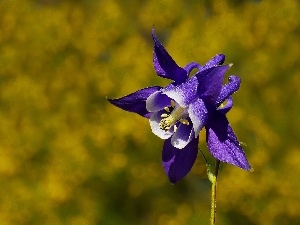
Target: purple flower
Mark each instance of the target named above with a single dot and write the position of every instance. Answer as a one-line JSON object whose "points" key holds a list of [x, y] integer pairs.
{"points": [[179, 111]]}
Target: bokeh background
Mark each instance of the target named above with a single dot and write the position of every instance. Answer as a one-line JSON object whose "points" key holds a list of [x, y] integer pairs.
{"points": [[69, 157]]}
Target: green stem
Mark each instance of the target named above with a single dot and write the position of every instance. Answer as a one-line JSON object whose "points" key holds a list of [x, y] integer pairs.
{"points": [[213, 179]]}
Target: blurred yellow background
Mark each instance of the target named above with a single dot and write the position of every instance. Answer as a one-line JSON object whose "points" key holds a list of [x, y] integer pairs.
{"points": [[69, 157]]}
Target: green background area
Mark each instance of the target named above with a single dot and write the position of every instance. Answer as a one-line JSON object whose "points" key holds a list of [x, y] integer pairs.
{"points": [[69, 157]]}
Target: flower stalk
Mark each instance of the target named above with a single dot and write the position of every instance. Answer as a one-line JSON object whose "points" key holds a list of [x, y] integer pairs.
{"points": [[213, 177]]}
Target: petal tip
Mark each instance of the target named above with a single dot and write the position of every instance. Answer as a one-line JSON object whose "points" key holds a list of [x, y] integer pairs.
{"points": [[154, 36], [178, 163], [221, 58]]}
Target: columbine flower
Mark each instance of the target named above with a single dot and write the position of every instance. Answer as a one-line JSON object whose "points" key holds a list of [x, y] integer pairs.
{"points": [[179, 111]]}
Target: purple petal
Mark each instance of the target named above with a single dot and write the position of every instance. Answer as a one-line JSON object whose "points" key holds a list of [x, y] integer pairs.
{"points": [[135, 102], [224, 109], [193, 65], [157, 101], [164, 65], [222, 142], [210, 82], [184, 93], [228, 89], [198, 113], [215, 61], [178, 162], [183, 135], [154, 124]]}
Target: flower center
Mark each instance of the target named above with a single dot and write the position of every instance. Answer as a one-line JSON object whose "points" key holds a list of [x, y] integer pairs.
{"points": [[170, 119]]}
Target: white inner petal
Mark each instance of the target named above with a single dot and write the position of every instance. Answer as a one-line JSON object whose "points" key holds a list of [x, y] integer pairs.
{"points": [[183, 136], [154, 124], [156, 101]]}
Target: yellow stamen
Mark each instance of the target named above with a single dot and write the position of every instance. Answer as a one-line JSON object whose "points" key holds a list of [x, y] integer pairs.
{"points": [[167, 109], [173, 104], [184, 121], [175, 128], [166, 123]]}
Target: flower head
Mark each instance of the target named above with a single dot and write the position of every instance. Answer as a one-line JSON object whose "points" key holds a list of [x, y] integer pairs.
{"points": [[179, 111]]}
